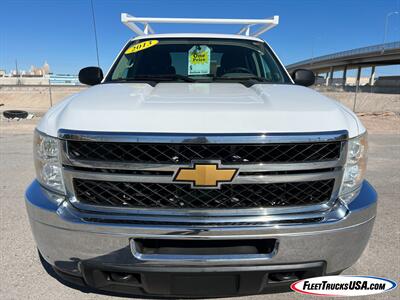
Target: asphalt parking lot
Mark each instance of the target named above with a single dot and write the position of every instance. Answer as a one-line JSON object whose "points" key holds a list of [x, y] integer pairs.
{"points": [[23, 277]]}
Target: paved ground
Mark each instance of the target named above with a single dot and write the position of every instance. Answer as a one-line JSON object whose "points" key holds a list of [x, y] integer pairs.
{"points": [[22, 276]]}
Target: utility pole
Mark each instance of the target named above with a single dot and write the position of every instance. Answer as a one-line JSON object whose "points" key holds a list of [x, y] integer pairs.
{"points": [[95, 34], [17, 72]]}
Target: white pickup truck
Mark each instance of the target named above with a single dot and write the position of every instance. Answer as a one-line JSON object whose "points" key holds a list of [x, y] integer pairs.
{"points": [[198, 167]]}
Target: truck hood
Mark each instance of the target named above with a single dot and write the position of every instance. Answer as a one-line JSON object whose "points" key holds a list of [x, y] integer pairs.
{"points": [[199, 108]]}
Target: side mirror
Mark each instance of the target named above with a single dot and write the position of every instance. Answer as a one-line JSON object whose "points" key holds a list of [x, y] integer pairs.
{"points": [[303, 77], [90, 75]]}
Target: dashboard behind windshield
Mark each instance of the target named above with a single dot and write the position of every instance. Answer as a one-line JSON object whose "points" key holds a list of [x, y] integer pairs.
{"points": [[197, 60]]}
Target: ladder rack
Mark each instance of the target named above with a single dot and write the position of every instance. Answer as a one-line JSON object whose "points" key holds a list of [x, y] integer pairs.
{"points": [[263, 24]]}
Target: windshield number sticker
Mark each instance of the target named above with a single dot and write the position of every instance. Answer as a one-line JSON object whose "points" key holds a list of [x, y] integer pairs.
{"points": [[141, 46], [199, 60]]}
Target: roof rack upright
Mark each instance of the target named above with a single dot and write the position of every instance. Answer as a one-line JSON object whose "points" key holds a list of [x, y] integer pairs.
{"points": [[264, 24]]}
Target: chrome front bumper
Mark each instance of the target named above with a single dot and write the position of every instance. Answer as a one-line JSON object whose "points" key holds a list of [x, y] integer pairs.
{"points": [[64, 239]]}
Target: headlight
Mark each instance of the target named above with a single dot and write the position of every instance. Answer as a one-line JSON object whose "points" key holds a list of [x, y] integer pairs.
{"points": [[355, 168], [47, 163]]}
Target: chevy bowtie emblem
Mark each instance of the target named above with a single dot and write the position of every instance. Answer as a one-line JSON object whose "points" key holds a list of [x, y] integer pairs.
{"points": [[205, 175]]}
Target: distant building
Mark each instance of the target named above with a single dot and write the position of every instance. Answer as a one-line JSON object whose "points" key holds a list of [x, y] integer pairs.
{"points": [[37, 76], [41, 71], [46, 68]]}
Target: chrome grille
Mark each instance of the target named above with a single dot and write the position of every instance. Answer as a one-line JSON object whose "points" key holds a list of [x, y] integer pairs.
{"points": [[178, 196], [185, 153], [134, 174]]}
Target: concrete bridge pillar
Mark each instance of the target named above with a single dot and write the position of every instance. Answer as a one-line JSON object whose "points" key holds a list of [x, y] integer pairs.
{"points": [[344, 78], [372, 76], [329, 78], [358, 76]]}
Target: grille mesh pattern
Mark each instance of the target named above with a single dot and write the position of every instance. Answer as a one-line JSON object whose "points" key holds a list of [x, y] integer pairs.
{"points": [[156, 195], [185, 153]]}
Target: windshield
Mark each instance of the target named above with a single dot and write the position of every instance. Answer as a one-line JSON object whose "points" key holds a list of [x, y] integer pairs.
{"points": [[197, 60]]}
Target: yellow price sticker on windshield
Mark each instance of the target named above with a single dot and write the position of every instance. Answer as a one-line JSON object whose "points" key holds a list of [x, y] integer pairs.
{"points": [[141, 46], [201, 57], [199, 60]]}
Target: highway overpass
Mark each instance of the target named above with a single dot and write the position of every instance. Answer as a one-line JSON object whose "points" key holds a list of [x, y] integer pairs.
{"points": [[366, 57]]}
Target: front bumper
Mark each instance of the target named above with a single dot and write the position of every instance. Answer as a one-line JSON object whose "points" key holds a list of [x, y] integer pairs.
{"points": [[80, 248]]}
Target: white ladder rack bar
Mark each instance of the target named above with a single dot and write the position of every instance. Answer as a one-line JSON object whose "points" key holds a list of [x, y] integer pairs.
{"points": [[264, 24]]}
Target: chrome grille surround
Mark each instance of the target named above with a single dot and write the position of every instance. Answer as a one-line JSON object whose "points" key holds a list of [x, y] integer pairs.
{"points": [[298, 172]]}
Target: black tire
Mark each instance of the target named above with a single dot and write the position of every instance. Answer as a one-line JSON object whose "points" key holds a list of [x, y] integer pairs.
{"points": [[11, 114]]}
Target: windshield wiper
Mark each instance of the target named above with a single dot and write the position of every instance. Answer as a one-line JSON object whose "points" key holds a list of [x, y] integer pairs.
{"points": [[153, 79], [257, 78], [247, 81]]}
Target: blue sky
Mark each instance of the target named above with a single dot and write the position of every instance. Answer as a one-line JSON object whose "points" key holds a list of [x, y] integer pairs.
{"points": [[61, 31]]}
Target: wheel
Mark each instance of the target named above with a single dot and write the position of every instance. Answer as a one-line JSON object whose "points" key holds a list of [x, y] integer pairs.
{"points": [[11, 114]]}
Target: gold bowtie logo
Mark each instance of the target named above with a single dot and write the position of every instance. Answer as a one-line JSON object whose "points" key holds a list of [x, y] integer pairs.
{"points": [[205, 175]]}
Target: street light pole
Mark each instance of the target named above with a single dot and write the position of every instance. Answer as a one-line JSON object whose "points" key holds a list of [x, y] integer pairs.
{"points": [[386, 27], [315, 38]]}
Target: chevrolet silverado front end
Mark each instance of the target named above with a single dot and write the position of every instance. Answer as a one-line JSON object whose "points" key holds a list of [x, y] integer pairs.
{"points": [[233, 181]]}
